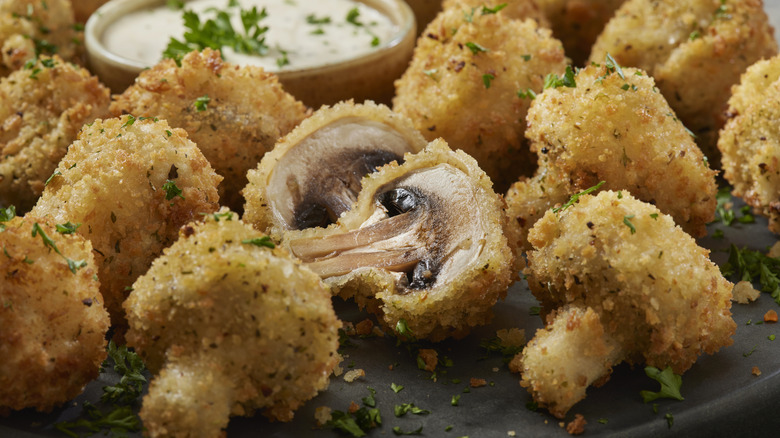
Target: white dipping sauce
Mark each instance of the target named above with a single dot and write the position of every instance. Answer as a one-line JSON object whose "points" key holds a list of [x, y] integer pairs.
{"points": [[293, 41]]}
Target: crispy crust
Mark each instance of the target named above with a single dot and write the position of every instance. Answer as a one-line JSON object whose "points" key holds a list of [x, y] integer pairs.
{"points": [[111, 181], [444, 90], [52, 320], [43, 110], [695, 49], [231, 327], [246, 113]]}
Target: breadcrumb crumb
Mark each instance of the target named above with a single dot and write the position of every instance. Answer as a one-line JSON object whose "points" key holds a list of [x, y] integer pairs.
{"points": [[744, 292], [430, 357], [322, 415], [770, 316], [364, 327], [477, 383], [352, 375], [756, 372], [577, 425]]}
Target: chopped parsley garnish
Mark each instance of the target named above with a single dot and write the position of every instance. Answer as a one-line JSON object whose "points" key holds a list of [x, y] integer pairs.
{"points": [[396, 388], [360, 421], [527, 94], [475, 48], [404, 408], [202, 103], [129, 365], [669, 419], [723, 211], [575, 197], [313, 19], [397, 431], [613, 67], [747, 265], [218, 32], [486, 79], [486, 10], [6, 214], [402, 330], [171, 190], [129, 122], [176, 5], [370, 401], [119, 421], [73, 265], [352, 17], [670, 384], [553, 81], [67, 228], [260, 241], [455, 400], [694, 35], [627, 222], [55, 173]]}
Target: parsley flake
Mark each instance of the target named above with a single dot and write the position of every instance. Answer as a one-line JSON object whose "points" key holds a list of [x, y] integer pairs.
{"points": [[475, 48], [575, 197], [260, 241], [171, 190], [201, 103], [670, 384], [73, 265], [628, 223], [553, 81]]}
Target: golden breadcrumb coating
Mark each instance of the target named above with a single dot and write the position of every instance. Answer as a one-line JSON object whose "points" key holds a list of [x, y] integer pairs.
{"points": [[577, 23], [44, 107], [695, 49], [120, 180], [231, 326], [463, 82], [424, 243], [517, 9], [52, 320], [750, 140], [320, 163], [30, 28], [659, 298], [615, 127], [233, 113]]}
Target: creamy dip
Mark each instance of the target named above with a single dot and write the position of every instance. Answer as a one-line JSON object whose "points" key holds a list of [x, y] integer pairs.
{"points": [[301, 33]]}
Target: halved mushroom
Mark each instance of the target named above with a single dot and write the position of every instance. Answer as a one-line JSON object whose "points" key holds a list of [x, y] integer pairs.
{"points": [[423, 243], [313, 175]]}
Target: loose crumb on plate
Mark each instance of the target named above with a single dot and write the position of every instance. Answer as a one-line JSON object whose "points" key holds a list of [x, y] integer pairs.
{"points": [[770, 316], [744, 292], [477, 383], [577, 425], [352, 375], [756, 372]]}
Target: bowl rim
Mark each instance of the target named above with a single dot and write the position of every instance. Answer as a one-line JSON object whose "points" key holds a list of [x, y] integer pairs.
{"points": [[397, 10]]}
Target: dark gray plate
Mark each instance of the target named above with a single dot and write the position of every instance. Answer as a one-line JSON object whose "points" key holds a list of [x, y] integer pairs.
{"points": [[722, 396]]}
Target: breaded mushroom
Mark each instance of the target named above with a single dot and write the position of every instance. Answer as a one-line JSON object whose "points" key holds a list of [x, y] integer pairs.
{"points": [[229, 326], [313, 174], [695, 49], [612, 126], [31, 28], [131, 184], [235, 114], [577, 23], [44, 106], [52, 320], [750, 140], [424, 243], [628, 284], [517, 9], [463, 82]]}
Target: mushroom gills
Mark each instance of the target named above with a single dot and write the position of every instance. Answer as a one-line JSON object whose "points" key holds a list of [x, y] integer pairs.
{"points": [[319, 178], [423, 225]]}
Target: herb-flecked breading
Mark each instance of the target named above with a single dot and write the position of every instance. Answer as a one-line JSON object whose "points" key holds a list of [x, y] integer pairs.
{"points": [[44, 105], [644, 294], [222, 321], [750, 140], [445, 93], [695, 49], [234, 114], [52, 320], [613, 126], [113, 182]]}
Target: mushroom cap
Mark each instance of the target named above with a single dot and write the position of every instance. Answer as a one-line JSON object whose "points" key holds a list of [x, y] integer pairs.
{"points": [[216, 307], [313, 174], [423, 243]]}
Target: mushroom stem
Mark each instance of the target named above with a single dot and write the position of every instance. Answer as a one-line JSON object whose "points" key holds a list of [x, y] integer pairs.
{"points": [[309, 249], [400, 260]]}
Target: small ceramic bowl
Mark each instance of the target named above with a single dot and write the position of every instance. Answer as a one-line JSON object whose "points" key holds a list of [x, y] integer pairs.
{"points": [[368, 76]]}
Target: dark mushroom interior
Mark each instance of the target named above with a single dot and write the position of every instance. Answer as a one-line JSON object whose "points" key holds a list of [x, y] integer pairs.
{"points": [[319, 178], [424, 225]]}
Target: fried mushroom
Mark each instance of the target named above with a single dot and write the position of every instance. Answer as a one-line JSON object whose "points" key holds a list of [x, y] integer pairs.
{"points": [[614, 127], [313, 174], [423, 243], [131, 183], [52, 320], [31, 28], [695, 49], [235, 114], [44, 107], [628, 284], [750, 140], [229, 326], [463, 81]]}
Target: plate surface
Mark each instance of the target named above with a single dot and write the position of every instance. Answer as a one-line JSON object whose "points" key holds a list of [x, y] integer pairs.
{"points": [[722, 396]]}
